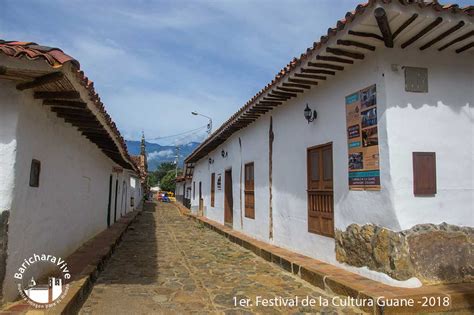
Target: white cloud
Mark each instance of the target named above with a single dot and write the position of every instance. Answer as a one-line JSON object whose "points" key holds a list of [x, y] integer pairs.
{"points": [[160, 154]]}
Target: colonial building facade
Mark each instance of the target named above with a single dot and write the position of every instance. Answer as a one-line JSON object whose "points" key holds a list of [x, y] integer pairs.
{"points": [[65, 174], [359, 150]]}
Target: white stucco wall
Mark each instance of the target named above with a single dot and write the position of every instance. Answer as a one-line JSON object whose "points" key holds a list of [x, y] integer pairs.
{"points": [[70, 205], [440, 121], [394, 204]]}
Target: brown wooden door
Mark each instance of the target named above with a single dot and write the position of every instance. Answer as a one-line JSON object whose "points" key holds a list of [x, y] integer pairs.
{"points": [[320, 190], [228, 199]]}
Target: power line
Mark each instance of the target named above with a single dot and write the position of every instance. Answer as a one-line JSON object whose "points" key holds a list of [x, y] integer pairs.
{"points": [[180, 134]]}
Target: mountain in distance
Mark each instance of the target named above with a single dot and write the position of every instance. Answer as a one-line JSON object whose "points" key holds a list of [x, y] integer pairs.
{"points": [[158, 154]]}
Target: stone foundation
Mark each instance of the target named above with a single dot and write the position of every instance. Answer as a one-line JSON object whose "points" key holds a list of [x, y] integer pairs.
{"points": [[433, 253], [3, 248]]}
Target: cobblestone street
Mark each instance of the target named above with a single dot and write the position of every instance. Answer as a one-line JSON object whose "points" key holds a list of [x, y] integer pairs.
{"points": [[169, 263]]}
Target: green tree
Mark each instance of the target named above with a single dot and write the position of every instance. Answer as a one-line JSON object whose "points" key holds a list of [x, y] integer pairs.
{"points": [[160, 172], [168, 182]]}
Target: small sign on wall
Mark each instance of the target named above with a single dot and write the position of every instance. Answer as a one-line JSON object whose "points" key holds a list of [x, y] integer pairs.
{"points": [[219, 181], [363, 140]]}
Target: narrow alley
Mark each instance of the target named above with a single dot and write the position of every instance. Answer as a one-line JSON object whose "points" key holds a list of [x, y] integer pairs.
{"points": [[169, 263]]}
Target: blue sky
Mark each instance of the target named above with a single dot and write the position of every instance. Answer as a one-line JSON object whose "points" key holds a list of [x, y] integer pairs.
{"points": [[153, 62]]}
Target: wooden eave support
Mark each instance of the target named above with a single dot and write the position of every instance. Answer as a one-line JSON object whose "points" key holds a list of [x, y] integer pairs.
{"points": [[3, 70], [317, 71], [457, 40], [308, 82], [404, 25], [45, 79], [274, 99], [297, 85], [310, 76], [56, 95], [464, 48], [345, 53], [442, 35], [284, 93], [334, 59], [325, 65], [65, 104], [384, 26], [355, 44], [279, 96], [421, 33], [289, 89], [365, 34]]}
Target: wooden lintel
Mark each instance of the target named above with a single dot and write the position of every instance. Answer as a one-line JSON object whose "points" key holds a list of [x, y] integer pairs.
{"points": [[464, 48], [384, 26], [56, 95], [284, 93], [308, 82], [404, 25], [310, 76], [44, 79], [457, 40], [442, 35], [334, 59], [365, 34], [421, 33], [325, 65], [355, 44], [303, 86], [65, 104], [318, 71], [289, 89], [342, 52]]}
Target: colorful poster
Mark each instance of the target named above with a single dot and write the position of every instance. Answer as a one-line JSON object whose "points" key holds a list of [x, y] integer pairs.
{"points": [[363, 140]]}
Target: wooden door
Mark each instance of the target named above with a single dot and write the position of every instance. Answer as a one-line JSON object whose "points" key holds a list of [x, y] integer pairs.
{"points": [[320, 190], [201, 201], [228, 199], [110, 201]]}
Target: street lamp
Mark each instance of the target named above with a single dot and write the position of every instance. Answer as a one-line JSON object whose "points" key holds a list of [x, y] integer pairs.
{"points": [[209, 125]]}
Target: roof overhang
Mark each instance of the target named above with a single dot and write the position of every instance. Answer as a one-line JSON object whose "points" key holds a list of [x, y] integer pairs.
{"points": [[378, 24]]}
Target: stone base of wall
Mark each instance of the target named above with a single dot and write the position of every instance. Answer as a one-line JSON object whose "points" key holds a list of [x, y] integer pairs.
{"points": [[433, 253], [3, 248]]}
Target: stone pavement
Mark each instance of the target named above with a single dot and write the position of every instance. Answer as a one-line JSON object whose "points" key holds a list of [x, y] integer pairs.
{"points": [[168, 263]]}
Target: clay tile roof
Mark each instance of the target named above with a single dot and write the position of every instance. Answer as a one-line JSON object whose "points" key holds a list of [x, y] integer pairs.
{"points": [[56, 58]]}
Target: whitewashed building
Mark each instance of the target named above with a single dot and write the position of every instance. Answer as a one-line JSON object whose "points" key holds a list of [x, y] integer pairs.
{"points": [[65, 174], [358, 150]]}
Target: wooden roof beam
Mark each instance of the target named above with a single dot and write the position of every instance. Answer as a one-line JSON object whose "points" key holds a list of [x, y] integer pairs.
{"points": [[325, 65], [297, 85], [365, 34], [56, 95], [334, 59], [457, 40], [317, 71], [308, 82], [404, 25], [384, 26], [421, 33], [345, 53], [284, 89], [464, 48], [274, 99], [65, 104], [310, 76], [355, 44], [45, 79], [442, 35], [285, 93], [274, 95]]}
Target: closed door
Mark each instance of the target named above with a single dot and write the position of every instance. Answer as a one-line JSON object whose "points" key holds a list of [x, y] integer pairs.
{"points": [[228, 199], [320, 190], [110, 201], [201, 201]]}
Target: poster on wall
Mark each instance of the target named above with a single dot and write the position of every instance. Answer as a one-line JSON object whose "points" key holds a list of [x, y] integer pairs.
{"points": [[363, 140]]}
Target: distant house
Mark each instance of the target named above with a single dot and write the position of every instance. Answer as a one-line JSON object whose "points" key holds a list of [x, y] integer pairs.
{"points": [[65, 174], [359, 149]]}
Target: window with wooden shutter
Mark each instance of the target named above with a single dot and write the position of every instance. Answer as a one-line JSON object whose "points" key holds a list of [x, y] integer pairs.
{"points": [[424, 173], [320, 190], [249, 191], [213, 188]]}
